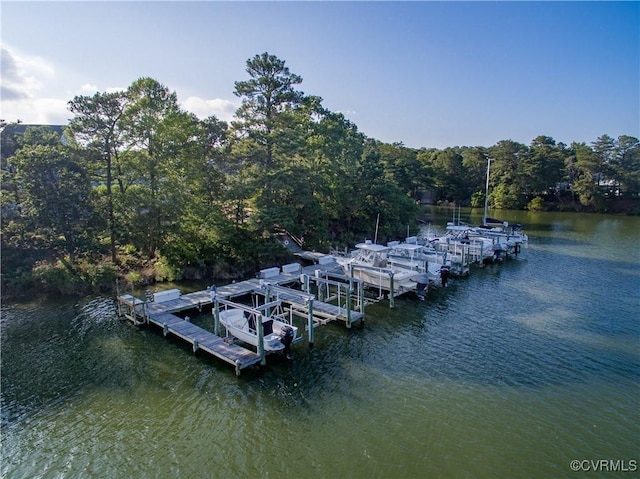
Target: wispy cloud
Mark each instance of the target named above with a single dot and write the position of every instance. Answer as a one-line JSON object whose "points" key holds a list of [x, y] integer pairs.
{"points": [[88, 89]]}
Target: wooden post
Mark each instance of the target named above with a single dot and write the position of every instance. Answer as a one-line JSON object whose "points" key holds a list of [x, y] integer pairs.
{"points": [[348, 303], [118, 298], [133, 307], [391, 293], [145, 313], [321, 285], [216, 316], [260, 328], [361, 300], [310, 323]]}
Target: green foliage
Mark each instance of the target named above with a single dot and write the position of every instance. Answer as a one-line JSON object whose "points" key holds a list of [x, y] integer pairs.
{"points": [[266, 96], [165, 271], [477, 200], [163, 193], [134, 278], [506, 196], [55, 278], [54, 189], [101, 276], [536, 204]]}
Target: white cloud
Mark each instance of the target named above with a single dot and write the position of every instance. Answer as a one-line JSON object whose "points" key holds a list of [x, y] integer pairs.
{"points": [[24, 97], [39, 111], [22, 76], [222, 109], [88, 89]]}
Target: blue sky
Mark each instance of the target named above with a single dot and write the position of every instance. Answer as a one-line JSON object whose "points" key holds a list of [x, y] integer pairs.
{"points": [[428, 74]]}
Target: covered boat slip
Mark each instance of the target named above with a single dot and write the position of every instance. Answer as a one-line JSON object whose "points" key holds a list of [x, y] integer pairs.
{"points": [[324, 296]]}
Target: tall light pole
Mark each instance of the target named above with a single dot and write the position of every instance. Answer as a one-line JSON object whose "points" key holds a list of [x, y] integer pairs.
{"points": [[486, 193]]}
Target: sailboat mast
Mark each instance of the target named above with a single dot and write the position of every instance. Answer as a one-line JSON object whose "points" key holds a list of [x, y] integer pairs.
{"points": [[486, 193]]}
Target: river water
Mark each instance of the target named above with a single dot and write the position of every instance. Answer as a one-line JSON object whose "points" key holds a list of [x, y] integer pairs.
{"points": [[515, 371]]}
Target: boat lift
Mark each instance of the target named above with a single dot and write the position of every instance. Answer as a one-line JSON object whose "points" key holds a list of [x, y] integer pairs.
{"points": [[393, 290], [269, 309], [344, 292]]}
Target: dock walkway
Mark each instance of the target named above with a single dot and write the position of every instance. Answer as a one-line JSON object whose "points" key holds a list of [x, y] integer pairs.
{"points": [[205, 340]]}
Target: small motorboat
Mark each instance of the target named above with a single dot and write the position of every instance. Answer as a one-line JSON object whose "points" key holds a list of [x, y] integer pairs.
{"points": [[241, 324]]}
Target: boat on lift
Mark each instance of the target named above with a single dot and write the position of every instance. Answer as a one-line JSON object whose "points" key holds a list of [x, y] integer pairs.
{"points": [[419, 257], [370, 263], [241, 324]]}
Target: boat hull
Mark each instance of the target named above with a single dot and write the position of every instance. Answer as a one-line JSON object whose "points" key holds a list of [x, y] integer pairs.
{"points": [[402, 281]]}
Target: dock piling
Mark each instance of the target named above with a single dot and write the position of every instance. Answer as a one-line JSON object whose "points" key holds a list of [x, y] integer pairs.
{"points": [[310, 322]]}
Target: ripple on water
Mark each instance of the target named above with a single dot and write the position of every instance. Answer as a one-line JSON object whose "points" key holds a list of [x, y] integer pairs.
{"points": [[511, 372]]}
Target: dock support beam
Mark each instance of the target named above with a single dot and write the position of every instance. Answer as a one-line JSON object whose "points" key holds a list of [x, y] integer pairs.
{"points": [[260, 330], [118, 296], [348, 304]]}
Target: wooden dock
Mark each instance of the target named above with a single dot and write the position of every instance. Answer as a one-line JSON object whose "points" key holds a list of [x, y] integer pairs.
{"points": [[159, 311], [160, 314], [204, 340]]}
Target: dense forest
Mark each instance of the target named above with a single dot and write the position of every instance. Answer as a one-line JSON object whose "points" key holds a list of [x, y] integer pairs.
{"points": [[136, 187]]}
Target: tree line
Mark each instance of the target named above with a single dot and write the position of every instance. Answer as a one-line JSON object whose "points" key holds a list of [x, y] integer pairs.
{"points": [[134, 181]]}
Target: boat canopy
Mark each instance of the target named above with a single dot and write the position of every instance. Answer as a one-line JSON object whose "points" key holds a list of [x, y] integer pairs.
{"points": [[408, 246], [376, 248]]}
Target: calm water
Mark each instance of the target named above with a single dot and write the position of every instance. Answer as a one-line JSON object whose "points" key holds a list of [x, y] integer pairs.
{"points": [[512, 372]]}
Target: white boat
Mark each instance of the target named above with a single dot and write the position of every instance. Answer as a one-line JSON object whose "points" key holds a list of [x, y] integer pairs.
{"points": [[370, 263], [419, 257], [510, 235], [493, 240], [481, 248], [241, 325]]}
